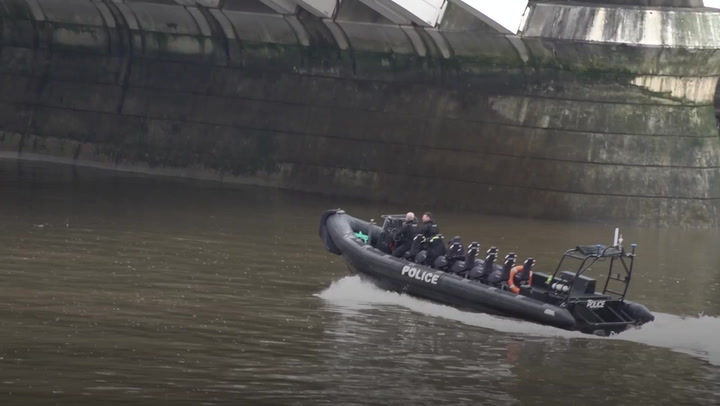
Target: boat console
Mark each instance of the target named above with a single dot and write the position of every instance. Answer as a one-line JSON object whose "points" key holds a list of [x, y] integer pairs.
{"points": [[392, 224], [578, 285]]}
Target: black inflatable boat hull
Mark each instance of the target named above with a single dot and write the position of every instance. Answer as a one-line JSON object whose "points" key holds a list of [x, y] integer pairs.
{"points": [[337, 230]]}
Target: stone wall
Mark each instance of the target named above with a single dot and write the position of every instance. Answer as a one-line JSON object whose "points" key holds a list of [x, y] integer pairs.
{"points": [[625, 3], [568, 120]]}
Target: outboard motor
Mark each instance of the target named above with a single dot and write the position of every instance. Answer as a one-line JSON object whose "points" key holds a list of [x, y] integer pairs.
{"points": [[497, 277], [460, 267]]}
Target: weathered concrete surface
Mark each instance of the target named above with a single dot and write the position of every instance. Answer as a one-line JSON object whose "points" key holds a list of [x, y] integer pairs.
{"points": [[646, 3], [591, 112]]}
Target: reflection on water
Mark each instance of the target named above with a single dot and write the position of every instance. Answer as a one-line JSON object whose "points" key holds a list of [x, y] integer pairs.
{"points": [[142, 290]]}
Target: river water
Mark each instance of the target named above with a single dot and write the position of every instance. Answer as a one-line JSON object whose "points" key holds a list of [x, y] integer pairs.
{"points": [[121, 288]]}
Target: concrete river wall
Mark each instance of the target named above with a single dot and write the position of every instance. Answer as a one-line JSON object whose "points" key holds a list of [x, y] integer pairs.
{"points": [[598, 112]]}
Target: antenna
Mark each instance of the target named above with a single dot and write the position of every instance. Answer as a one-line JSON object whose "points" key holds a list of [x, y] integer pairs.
{"points": [[615, 239]]}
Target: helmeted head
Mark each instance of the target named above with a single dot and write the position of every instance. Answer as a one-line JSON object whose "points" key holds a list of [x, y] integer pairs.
{"points": [[410, 216]]}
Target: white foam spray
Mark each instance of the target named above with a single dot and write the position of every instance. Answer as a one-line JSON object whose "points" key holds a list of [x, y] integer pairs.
{"points": [[692, 335]]}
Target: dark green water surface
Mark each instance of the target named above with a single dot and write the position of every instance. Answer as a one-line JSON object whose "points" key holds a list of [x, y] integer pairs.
{"points": [[119, 288]]}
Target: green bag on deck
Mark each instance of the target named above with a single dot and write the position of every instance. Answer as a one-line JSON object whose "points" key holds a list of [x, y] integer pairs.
{"points": [[362, 236]]}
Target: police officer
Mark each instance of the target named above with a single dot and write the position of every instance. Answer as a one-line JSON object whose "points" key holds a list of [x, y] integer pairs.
{"points": [[429, 228], [434, 243], [405, 235]]}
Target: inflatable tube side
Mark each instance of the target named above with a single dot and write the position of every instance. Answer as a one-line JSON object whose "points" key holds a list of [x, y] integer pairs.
{"points": [[325, 236], [417, 280], [640, 313]]}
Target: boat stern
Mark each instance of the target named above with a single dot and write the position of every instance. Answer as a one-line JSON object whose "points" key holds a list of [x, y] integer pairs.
{"points": [[604, 316]]}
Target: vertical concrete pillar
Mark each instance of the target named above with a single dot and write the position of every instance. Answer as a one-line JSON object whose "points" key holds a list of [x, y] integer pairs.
{"points": [[619, 113]]}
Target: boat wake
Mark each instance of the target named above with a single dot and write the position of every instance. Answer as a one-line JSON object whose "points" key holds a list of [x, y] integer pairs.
{"points": [[690, 335], [354, 293]]}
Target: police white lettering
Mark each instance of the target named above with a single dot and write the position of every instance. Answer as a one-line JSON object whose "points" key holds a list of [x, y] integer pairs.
{"points": [[427, 277], [595, 304]]}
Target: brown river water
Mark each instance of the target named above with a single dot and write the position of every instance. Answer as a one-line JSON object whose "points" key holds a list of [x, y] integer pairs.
{"points": [[126, 289]]}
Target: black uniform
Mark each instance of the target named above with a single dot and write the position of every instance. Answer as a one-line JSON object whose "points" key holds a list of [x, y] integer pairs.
{"points": [[404, 238], [433, 244], [430, 230]]}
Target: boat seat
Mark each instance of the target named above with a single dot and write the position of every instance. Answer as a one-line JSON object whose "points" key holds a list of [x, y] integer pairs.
{"points": [[415, 247], [455, 250], [482, 272], [524, 275], [462, 267], [499, 278], [440, 262], [436, 248]]}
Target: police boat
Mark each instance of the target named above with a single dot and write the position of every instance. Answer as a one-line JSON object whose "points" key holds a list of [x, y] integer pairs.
{"points": [[565, 298]]}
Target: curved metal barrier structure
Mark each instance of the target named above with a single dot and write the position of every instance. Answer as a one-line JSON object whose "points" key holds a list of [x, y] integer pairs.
{"points": [[589, 111]]}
